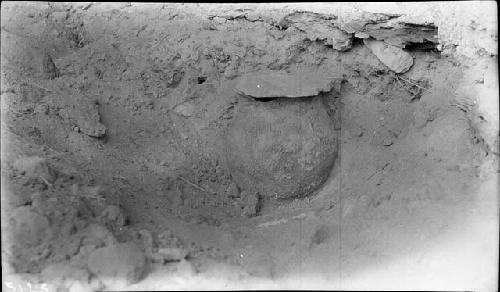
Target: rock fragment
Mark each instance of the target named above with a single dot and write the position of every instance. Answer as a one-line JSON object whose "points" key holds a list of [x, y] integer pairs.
{"points": [[119, 264], [401, 34], [113, 217], [393, 57], [84, 113], [387, 141], [232, 191], [274, 84], [174, 78], [185, 109], [361, 35], [252, 203], [50, 70]]}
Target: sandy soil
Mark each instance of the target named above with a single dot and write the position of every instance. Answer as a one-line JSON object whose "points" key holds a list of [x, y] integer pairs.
{"points": [[115, 125]]}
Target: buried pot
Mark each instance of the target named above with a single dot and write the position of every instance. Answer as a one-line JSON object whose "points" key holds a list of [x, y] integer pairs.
{"points": [[285, 147]]}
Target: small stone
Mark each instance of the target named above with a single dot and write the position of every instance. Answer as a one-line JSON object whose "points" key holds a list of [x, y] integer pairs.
{"points": [[208, 25], [232, 191], [113, 216], [185, 109], [118, 265], [387, 142], [42, 109], [340, 40], [50, 70], [393, 57], [98, 235], [251, 203], [174, 78], [232, 70], [29, 228], [35, 167]]}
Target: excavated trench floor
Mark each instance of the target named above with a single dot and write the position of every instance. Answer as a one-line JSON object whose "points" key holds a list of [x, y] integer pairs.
{"points": [[115, 170]]}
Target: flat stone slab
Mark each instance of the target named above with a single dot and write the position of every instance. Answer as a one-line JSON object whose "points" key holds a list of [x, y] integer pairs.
{"points": [[273, 84], [78, 110], [393, 57]]}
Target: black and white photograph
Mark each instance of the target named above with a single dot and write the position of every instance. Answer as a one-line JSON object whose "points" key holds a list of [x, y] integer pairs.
{"points": [[249, 146]]}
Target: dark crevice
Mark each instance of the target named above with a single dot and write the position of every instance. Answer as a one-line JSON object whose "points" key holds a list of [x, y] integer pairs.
{"points": [[357, 42], [429, 26], [426, 46], [266, 99], [202, 79]]}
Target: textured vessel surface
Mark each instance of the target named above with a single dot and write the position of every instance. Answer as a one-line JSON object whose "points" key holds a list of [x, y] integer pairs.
{"points": [[283, 148]]}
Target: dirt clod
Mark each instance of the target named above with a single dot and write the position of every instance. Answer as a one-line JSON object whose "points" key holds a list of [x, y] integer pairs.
{"points": [[98, 235], [252, 203], [65, 275], [113, 217], [28, 227], [119, 264]]}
